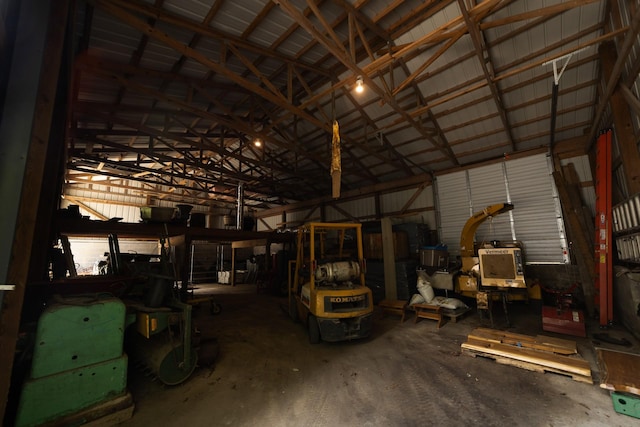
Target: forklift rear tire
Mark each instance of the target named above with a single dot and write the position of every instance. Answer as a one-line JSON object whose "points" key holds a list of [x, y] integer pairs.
{"points": [[314, 330]]}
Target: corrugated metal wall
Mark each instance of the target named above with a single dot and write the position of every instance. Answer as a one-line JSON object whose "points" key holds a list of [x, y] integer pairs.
{"points": [[272, 221], [487, 187], [117, 203], [114, 202], [110, 210], [392, 203], [525, 182], [537, 217], [421, 210], [296, 218], [362, 209], [454, 208]]}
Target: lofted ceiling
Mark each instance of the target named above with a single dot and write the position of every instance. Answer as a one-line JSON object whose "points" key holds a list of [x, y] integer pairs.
{"points": [[169, 95]]}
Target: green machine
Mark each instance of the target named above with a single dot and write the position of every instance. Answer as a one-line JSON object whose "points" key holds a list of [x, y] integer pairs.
{"points": [[79, 366], [78, 359]]}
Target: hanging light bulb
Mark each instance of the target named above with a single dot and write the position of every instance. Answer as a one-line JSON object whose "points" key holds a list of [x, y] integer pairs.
{"points": [[257, 142], [359, 85]]}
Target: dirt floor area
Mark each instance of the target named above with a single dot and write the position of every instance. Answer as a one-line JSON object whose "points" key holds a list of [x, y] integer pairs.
{"points": [[267, 374]]}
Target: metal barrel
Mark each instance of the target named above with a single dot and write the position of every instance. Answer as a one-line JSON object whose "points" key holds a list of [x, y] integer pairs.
{"points": [[164, 357]]}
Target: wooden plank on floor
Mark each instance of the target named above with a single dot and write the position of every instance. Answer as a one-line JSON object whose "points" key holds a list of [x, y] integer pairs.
{"points": [[560, 345], [108, 413], [538, 342], [571, 365], [620, 371], [530, 366]]}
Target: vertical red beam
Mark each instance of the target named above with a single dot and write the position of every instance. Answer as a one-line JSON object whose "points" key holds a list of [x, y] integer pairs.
{"points": [[604, 256], [609, 231]]}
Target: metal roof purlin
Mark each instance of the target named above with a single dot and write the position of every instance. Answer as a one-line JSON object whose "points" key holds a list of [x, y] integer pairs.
{"points": [[342, 55], [481, 51]]}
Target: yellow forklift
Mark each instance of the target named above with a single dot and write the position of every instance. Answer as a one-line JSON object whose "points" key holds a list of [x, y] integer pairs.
{"points": [[328, 292]]}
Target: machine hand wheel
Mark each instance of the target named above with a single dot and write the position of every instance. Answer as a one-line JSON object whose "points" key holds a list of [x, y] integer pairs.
{"points": [[215, 308]]}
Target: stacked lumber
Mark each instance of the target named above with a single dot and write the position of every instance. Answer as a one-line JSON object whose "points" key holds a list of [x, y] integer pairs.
{"points": [[535, 353]]}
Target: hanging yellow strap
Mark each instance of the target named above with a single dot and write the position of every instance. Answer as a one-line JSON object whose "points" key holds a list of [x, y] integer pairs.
{"points": [[336, 168]]}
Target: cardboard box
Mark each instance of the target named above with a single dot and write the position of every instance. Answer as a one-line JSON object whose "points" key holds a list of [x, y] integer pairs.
{"points": [[467, 283]]}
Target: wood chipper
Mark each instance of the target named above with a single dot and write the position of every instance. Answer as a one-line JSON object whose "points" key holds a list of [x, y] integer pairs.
{"points": [[467, 282], [494, 271], [328, 292]]}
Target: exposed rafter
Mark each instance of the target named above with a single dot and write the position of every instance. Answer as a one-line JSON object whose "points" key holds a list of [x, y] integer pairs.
{"points": [[169, 103]]}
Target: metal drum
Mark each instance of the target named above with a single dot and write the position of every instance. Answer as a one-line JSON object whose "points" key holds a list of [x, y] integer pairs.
{"points": [[337, 271]]}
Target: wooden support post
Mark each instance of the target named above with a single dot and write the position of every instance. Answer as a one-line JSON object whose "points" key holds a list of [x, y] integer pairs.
{"points": [[604, 235], [388, 255], [583, 212], [622, 122], [68, 256], [232, 273], [182, 267], [582, 248], [25, 132]]}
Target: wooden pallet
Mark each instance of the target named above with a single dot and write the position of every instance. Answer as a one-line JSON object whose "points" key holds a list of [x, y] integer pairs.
{"points": [[539, 354], [539, 342]]}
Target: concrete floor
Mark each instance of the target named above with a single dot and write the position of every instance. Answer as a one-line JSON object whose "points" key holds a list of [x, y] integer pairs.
{"points": [[267, 374]]}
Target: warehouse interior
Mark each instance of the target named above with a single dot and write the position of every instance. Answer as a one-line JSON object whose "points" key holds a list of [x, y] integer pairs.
{"points": [[312, 212]]}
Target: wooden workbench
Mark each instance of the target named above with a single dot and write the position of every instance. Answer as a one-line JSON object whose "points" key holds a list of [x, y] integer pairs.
{"points": [[394, 307]]}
